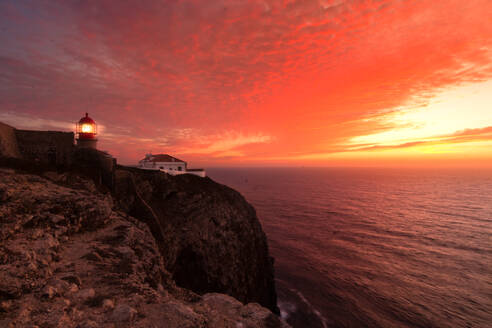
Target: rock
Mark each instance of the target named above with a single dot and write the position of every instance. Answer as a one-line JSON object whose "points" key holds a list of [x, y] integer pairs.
{"points": [[10, 287], [123, 313], [108, 305], [37, 233], [224, 302], [5, 323], [49, 292], [254, 312], [78, 315], [57, 219], [126, 251], [175, 314], [93, 256], [5, 306], [86, 294], [48, 242], [61, 286], [32, 266], [73, 288], [66, 302], [53, 176], [64, 321], [43, 263], [225, 311], [88, 324], [56, 257], [73, 279]]}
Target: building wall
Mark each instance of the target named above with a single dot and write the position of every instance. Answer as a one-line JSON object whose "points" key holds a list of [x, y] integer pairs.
{"points": [[51, 147], [199, 173], [173, 166]]}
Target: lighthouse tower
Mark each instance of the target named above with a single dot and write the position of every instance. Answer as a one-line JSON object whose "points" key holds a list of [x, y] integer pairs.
{"points": [[86, 132]]}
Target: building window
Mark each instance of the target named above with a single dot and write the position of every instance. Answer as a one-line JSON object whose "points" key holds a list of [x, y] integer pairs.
{"points": [[161, 167], [179, 168]]}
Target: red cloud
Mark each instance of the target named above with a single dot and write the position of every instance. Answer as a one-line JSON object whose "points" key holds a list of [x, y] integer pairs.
{"points": [[304, 73]]}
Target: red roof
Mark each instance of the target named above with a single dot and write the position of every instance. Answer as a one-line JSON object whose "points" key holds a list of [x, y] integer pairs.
{"points": [[86, 119], [162, 158]]}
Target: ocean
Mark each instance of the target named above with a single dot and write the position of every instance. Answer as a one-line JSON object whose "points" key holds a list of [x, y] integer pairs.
{"points": [[375, 247]]}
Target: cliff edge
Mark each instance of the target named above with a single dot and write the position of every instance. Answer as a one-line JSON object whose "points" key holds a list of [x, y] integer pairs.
{"points": [[209, 236]]}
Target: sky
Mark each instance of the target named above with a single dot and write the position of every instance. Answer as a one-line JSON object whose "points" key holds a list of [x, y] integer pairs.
{"points": [[257, 82]]}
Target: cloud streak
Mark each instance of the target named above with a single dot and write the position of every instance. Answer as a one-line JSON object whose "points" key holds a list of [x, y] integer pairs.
{"points": [[469, 135]]}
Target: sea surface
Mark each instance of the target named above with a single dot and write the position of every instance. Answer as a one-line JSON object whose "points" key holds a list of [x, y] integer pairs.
{"points": [[375, 247]]}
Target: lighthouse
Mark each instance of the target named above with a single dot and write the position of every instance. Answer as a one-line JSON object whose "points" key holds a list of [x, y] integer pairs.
{"points": [[86, 132]]}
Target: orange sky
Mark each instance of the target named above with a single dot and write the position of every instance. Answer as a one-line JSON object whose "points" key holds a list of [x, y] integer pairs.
{"points": [[226, 83]]}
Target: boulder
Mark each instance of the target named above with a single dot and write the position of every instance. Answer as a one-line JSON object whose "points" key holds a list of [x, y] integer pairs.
{"points": [[123, 313]]}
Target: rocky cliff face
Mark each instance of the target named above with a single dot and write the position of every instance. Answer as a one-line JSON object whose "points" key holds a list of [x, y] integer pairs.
{"points": [[70, 258], [209, 236]]}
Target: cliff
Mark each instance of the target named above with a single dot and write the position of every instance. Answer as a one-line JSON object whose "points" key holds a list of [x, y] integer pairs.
{"points": [[209, 236], [71, 256]]}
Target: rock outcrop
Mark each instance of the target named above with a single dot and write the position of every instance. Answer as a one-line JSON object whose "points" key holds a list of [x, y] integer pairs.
{"points": [[70, 258], [209, 236]]}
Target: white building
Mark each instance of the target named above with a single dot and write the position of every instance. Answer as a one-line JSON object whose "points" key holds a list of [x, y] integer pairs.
{"points": [[170, 165]]}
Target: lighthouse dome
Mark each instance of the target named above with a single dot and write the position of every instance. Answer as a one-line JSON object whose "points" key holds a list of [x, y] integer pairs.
{"points": [[86, 120], [86, 128]]}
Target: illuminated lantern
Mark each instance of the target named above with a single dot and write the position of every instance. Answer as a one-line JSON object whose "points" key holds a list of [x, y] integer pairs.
{"points": [[86, 132]]}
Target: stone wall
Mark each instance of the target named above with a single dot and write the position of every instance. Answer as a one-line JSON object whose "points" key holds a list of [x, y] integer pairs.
{"points": [[50, 147], [8, 142], [38, 151]]}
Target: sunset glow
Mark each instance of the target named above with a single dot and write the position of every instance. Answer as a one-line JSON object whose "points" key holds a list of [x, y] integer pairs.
{"points": [[259, 82]]}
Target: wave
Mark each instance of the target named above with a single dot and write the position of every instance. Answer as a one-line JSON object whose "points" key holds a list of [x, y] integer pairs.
{"points": [[298, 305]]}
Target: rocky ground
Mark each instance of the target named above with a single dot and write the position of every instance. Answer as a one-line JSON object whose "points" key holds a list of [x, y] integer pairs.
{"points": [[70, 258]]}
